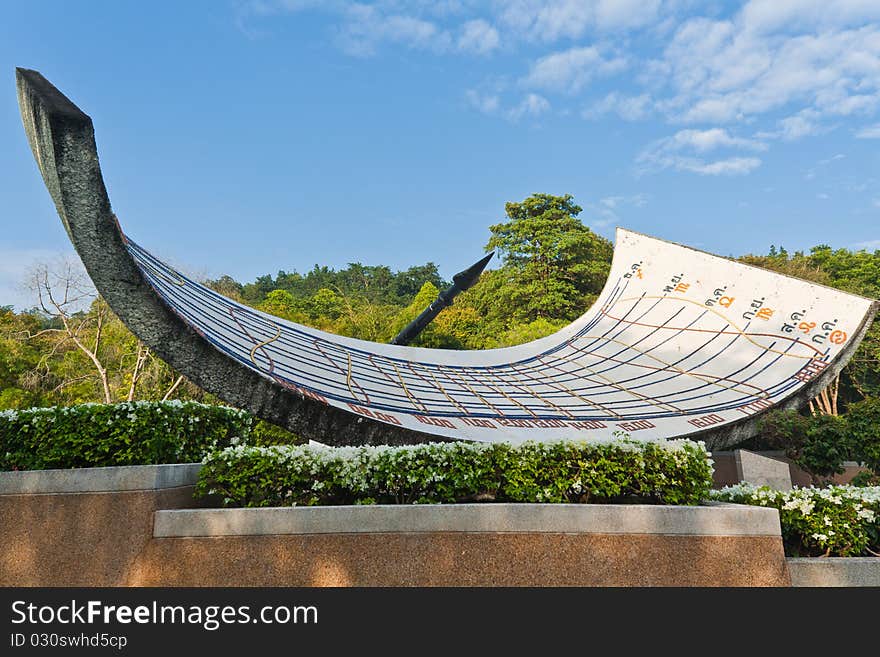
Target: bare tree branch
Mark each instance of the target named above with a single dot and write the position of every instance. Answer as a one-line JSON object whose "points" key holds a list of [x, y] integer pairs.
{"points": [[68, 278], [173, 388], [143, 354]]}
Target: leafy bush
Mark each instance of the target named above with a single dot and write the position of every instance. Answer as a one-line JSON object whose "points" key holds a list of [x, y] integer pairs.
{"points": [[865, 478], [863, 419], [840, 521], [819, 444], [666, 472], [265, 433], [828, 444], [130, 433]]}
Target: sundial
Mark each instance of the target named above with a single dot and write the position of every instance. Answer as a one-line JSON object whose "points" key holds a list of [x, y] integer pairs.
{"points": [[680, 343]]}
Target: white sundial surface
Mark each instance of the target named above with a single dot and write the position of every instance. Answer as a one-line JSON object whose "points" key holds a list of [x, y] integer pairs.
{"points": [[679, 341]]}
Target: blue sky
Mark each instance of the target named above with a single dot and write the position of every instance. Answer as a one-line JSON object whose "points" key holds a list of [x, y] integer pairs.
{"points": [[247, 137]]}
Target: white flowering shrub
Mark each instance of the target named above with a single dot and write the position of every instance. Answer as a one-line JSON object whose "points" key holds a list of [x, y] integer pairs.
{"points": [[665, 472], [841, 521], [130, 433]]}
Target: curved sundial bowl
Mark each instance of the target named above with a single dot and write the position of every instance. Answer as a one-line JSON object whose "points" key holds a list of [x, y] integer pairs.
{"points": [[680, 343]]}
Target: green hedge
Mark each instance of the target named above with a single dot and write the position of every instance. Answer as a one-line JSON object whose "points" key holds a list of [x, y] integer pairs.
{"points": [[131, 433], [663, 472], [838, 521]]}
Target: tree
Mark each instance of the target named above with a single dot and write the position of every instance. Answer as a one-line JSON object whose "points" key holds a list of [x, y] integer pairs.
{"points": [[227, 286], [553, 265], [281, 304], [72, 348], [18, 358], [325, 303], [364, 320], [62, 290], [431, 335], [408, 283]]}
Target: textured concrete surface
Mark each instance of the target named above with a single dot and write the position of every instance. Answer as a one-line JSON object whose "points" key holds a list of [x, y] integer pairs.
{"points": [[762, 470], [716, 520], [93, 480], [831, 571], [78, 539], [463, 559]]}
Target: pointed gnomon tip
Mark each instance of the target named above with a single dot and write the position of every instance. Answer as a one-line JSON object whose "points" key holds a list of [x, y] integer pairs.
{"points": [[466, 279]]}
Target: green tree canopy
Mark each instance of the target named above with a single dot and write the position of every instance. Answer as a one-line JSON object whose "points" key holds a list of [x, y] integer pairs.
{"points": [[554, 266]]}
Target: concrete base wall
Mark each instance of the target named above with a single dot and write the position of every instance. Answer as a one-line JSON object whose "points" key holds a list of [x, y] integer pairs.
{"points": [[835, 571], [79, 539], [462, 559], [130, 537]]}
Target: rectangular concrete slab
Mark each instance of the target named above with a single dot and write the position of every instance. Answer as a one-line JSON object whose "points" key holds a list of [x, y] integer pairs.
{"points": [[762, 470], [834, 571], [710, 520], [96, 480]]}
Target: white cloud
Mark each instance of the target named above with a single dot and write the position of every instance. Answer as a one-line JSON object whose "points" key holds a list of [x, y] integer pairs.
{"points": [[551, 20], [684, 151], [703, 141], [532, 105], [797, 126], [769, 15], [366, 27], [763, 60], [629, 108], [613, 202], [272, 7], [869, 245], [796, 66], [869, 132], [610, 202], [821, 164], [485, 103], [571, 70], [608, 209], [361, 28], [822, 196], [625, 14], [732, 166], [478, 36]]}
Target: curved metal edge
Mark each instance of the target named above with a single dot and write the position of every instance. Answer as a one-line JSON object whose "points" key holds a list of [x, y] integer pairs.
{"points": [[62, 140]]}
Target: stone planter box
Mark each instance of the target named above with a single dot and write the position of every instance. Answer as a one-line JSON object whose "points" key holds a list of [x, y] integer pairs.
{"points": [[84, 527], [137, 526], [835, 571], [98, 480]]}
